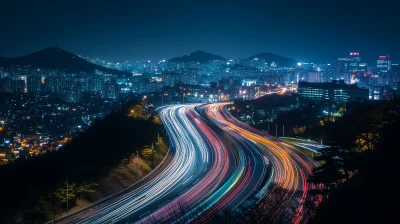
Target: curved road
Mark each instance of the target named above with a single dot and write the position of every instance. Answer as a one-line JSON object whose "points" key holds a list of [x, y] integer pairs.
{"points": [[216, 164], [290, 167], [192, 158]]}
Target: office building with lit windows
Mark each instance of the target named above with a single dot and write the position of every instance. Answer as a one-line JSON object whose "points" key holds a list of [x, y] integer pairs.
{"points": [[354, 62], [330, 92], [350, 64], [383, 64]]}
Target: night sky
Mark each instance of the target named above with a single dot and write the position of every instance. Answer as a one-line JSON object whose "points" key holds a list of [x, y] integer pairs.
{"points": [[125, 30]]}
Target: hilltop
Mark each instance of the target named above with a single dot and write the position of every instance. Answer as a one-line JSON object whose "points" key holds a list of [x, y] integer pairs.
{"points": [[198, 56], [269, 58], [56, 58]]}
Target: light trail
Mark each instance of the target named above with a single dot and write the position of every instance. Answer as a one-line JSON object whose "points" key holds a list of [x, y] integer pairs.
{"points": [[211, 171], [191, 154], [290, 166], [193, 198], [201, 166]]}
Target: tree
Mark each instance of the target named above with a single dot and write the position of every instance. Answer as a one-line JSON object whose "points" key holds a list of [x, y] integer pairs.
{"points": [[331, 172], [156, 119], [147, 152], [61, 193], [298, 131], [83, 189], [138, 112], [52, 199]]}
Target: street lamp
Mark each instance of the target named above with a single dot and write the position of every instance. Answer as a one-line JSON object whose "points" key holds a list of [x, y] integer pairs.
{"points": [[162, 98], [66, 178], [137, 164]]}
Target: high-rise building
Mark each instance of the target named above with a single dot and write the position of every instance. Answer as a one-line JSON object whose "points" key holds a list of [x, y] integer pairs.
{"points": [[396, 85], [170, 78], [377, 92], [350, 64], [258, 63], [395, 67], [362, 79], [53, 84], [96, 84], [349, 67], [110, 90], [354, 62], [34, 84], [9, 85], [19, 86], [84, 83], [383, 64], [6, 85], [189, 76], [72, 91], [341, 66]]}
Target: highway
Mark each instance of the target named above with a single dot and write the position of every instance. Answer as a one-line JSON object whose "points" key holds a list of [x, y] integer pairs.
{"points": [[290, 167], [200, 165], [191, 159], [216, 163], [221, 162]]}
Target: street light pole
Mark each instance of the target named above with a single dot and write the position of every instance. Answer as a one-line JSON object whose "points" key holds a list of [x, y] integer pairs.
{"points": [[66, 179], [276, 131], [162, 98], [283, 131], [152, 158], [137, 163]]}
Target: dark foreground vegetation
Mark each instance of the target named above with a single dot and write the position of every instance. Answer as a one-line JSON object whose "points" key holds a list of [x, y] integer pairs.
{"points": [[34, 189], [360, 169]]}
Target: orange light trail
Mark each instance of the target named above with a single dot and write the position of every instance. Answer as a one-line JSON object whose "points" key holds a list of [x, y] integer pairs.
{"points": [[291, 166]]}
